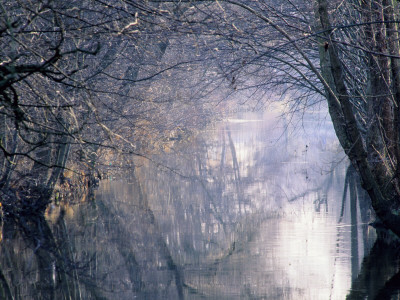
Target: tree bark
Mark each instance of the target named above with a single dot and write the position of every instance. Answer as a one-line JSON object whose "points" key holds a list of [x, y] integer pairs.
{"points": [[377, 185]]}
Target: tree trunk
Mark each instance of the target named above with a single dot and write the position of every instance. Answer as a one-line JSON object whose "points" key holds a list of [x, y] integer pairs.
{"points": [[394, 48], [377, 183]]}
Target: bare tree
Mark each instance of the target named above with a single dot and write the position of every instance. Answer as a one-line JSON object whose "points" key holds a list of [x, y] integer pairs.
{"points": [[84, 80], [344, 53]]}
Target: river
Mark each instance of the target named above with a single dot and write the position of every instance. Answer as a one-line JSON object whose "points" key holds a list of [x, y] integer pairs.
{"points": [[254, 207]]}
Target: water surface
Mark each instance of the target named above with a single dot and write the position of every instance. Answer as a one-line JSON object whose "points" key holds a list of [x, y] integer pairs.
{"points": [[251, 208]]}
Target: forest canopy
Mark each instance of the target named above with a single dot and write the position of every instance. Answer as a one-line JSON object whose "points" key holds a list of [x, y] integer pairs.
{"points": [[81, 78]]}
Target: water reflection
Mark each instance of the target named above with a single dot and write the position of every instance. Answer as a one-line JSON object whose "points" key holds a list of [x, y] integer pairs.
{"points": [[242, 211]]}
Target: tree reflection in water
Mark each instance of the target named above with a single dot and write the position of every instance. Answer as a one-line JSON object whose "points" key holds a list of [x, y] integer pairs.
{"points": [[379, 277], [38, 261], [236, 218], [100, 254]]}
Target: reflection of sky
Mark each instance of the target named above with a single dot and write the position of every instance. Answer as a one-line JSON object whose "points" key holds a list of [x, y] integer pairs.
{"points": [[266, 226], [281, 164], [308, 255], [302, 247]]}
